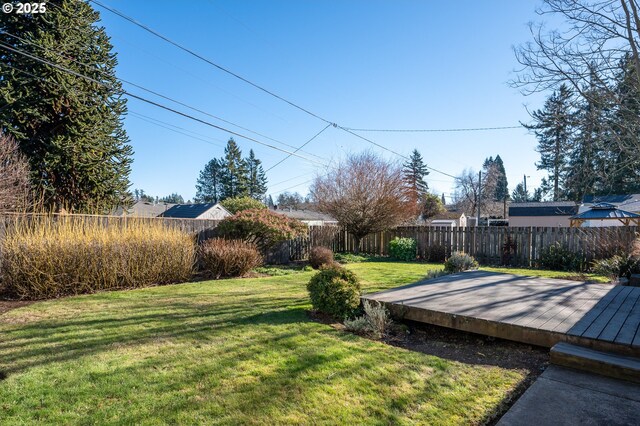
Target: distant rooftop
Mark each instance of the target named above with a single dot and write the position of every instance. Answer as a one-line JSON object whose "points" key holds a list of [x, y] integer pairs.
{"points": [[544, 208], [305, 214], [188, 211]]}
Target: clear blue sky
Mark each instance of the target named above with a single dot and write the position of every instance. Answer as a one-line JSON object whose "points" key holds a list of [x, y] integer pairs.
{"points": [[361, 64]]}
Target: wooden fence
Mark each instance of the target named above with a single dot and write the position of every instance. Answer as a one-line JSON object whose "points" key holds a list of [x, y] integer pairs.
{"points": [[490, 245], [520, 246]]}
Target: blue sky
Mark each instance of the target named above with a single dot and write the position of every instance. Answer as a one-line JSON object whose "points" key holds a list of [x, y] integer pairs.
{"points": [[361, 64]]}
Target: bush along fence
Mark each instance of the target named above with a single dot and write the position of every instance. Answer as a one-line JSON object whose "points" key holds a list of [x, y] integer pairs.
{"points": [[521, 246]]}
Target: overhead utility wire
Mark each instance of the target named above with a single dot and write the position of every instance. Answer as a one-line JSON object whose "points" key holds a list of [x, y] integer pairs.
{"points": [[155, 93], [156, 104], [202, 58], [299, 148], [472, 129], [191, 52]]}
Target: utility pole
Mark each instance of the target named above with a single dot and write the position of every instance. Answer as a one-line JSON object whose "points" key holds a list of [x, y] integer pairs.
{"points": [[525, 186], [479, 197]]}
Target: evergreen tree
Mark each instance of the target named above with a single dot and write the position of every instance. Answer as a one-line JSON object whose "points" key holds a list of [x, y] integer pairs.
{"points": [[234, 179], [173, 199], [553, 127], [256, 177], [502, 185], [414, 172], [269, 201], [519, 195], [209, 184], [444, 202], [69, 128]]}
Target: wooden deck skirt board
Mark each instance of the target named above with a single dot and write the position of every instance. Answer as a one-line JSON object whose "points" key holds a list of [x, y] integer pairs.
{"points": [[531, 310]]}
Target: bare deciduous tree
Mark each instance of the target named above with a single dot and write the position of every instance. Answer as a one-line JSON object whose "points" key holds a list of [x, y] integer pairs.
{"points": [[597, 38], [14, 177], [365, 194], [473, 191]]}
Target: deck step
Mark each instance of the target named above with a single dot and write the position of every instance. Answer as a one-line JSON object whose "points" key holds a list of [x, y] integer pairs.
{"points": [[603, 363]]}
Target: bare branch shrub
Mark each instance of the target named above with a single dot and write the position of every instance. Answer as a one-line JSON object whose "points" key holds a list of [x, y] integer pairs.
{"points": [[14, 177]]}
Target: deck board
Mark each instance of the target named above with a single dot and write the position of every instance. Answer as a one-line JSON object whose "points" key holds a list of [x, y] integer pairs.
{"points": [[532, 310]]}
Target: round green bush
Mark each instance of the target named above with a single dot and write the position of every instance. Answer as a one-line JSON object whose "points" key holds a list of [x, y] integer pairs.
{"points": [[403, 248], [335, 290]]}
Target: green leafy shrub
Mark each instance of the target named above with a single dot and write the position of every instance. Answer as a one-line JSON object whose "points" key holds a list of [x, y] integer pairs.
{"points": [[617, 266], [238, 204], [263, 228], [374, 322], [459, 262], [53, 256], [402, 248], [557, 257], [228, 258], [335, 290], [319, 256], [436, 273]]}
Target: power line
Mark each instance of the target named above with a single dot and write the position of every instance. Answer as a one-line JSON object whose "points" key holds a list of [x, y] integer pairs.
{"points": [[299, 148], [472, 129], [156, 93], [202, 58], [156, 104]]}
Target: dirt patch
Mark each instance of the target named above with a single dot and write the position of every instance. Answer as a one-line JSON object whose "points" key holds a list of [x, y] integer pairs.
{"points": [[7, 305]]}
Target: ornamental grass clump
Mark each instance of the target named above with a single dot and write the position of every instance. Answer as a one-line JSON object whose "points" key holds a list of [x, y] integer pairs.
{"points": [[319, 256], [229, 258], [46, 257]]}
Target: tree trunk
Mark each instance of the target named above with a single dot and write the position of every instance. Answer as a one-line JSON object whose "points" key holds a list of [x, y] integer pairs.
{"points": [[356, 246]]}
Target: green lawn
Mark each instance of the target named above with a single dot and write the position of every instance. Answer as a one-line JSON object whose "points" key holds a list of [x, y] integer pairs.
{"points": [[232, 352]]}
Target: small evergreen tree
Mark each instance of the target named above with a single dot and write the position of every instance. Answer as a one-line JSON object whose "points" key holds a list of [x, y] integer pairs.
{"points": [[209, 184], [414, 171], [256, 177], [519, 195], [70, 128], [173, 199]]}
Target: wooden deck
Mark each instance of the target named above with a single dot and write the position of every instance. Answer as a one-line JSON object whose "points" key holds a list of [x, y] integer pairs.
{"points": [[538, 311]]}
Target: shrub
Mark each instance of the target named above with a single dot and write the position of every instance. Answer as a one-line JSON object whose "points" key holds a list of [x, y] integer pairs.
{"points": [[403, 248], [459, 262], [238, 204], [436, 253], [228, 258], [375, 320], [319, 256], [617, 266], [350, 258], [45, 257], [435, 273], [263, 228], [509, 250], [335, 291], [557, 257]]}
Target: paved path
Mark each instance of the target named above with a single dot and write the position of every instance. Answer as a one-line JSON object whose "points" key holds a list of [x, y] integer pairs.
{"points": [[539, 311], [563, 396]]}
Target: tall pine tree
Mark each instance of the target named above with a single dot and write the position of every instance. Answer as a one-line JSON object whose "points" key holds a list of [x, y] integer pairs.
{"points": [[209, 184], [70, 128], [234, 179], [414, 171], [553, 126], [256, 177]]}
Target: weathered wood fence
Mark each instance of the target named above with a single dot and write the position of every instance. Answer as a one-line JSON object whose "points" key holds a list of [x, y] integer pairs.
{"points": [[490, 245], [520, 246]]}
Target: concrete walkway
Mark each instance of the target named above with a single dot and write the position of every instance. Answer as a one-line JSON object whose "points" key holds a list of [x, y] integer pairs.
{"points": [[562, 396]]}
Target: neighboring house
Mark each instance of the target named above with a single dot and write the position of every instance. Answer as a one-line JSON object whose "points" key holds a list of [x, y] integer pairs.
{"points": [[452, 219], [546, 213], [143, 209], [310, 217], [629, 203], [213, 211]]}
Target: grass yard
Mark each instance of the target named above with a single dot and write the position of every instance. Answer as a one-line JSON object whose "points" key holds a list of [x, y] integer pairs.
{"points": [[239, 351]]}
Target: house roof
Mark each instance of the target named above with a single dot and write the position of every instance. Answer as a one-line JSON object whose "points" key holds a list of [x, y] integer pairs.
{"points": [[144, 209], [305, 215], [605, 211], [555, 208], [447, 216], [189, 211], [629, 202]]}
